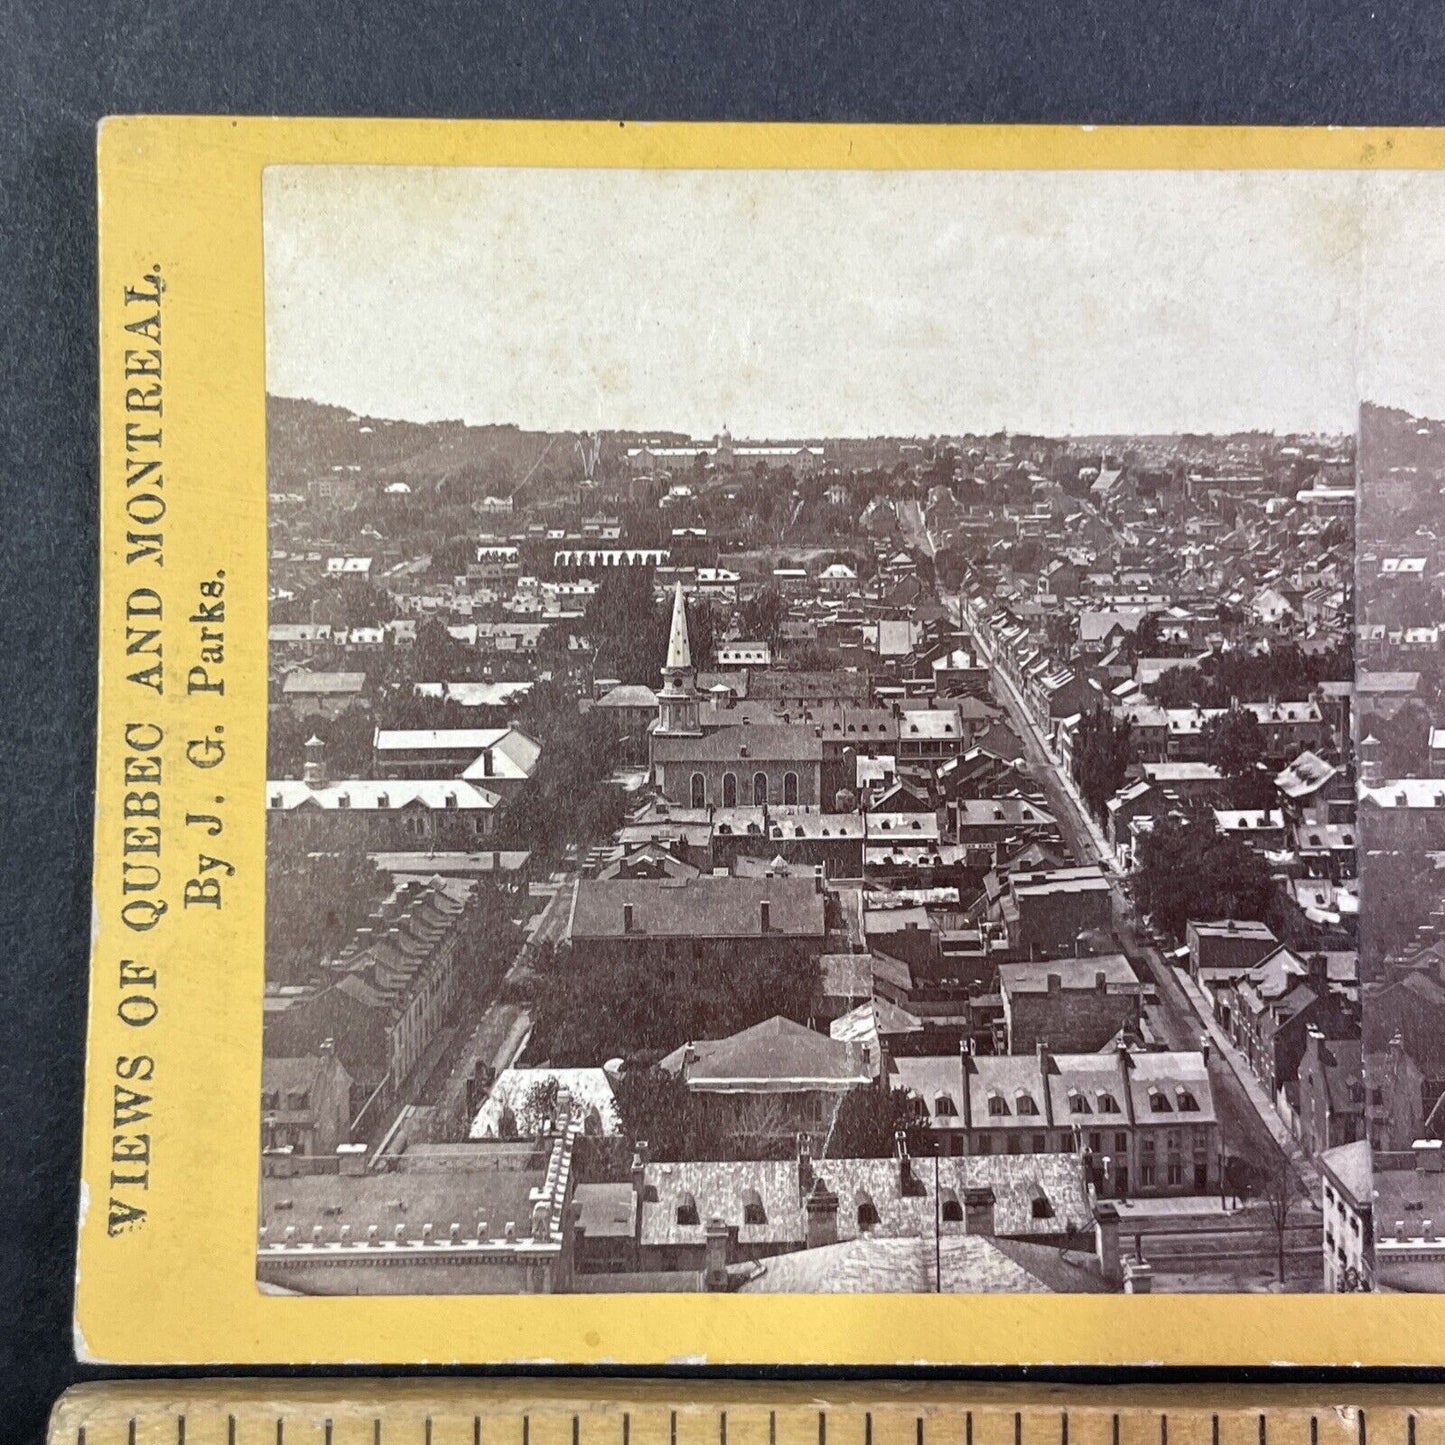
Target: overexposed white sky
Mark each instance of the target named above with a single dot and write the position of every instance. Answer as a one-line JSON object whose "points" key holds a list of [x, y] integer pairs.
{"points": [[855, 303]]}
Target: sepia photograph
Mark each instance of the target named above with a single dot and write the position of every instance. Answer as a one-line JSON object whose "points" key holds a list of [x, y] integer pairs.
{"points": [[822, 737]]}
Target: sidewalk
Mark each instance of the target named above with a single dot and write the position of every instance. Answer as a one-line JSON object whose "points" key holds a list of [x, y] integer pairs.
{"points": [[1254, 1090]]}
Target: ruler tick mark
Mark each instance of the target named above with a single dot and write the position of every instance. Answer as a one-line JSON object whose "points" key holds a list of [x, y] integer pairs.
{"points": [[627, 1427], [130, 1431], [526, 1430], [230, 1430], [918, 1431], [1314, 1430], [868, 1427], [428, 1430], [1115, 1435], [822, 1428], [1263, 1430], [1064, 1428], [671, 1428], [180, 1430], [772, 1427], [1409, 1430], [576, 1431], [326, 1430], [968, 1428], [1018, 1427], [280, 1430], [1362, 1432], [476, 1430], [722, 1428], [1214, 1429]]}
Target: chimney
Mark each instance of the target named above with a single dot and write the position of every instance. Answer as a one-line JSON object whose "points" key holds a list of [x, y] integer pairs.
{"points": [[639, 1179], [1101, 983], [487, 768], [764, 916], [822, 1208], [313, 772], [1138, 1277], [805, 1164], [1055, 983], [715, 1257], [908, 1185], [1428, 1155], [1106, 1242], [978, 1202], [351, 1159], [627, 918], [541, 1222]]}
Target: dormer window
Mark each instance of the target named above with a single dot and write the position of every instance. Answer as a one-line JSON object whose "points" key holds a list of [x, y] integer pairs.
{"points": [[1188, 1104], [943, 1106], [687, 1209], [996, 1103], [1078, 1104], [1024, 1102], [1108, 1104], [753, 1211], [867, 1210], [1159, 1102]]}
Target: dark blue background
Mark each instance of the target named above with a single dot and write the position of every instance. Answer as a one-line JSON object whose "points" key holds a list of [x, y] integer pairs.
{"points": [[63, 66]]}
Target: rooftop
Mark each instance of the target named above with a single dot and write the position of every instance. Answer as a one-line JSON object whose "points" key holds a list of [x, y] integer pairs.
{"points": [[702, 907]]}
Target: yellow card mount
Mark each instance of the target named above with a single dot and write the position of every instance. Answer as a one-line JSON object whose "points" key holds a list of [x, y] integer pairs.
{"points": [[691, 1412]]}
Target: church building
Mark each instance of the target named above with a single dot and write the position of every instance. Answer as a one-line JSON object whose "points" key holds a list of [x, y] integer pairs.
{"points": [[751, 765]]}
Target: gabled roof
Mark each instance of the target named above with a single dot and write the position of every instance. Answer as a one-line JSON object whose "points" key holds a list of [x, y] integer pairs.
{"points": [[776, 1054]]}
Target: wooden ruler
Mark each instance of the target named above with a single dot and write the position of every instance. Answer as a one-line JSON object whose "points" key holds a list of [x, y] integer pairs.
{"points": [[692, 1412]]}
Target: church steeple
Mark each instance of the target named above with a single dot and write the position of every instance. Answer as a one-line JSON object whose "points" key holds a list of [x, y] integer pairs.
{"points": [[679, 654], [677, 703]]}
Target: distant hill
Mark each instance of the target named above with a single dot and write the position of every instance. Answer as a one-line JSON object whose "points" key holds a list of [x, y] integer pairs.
{"points": [[1401, 472], [307, 440]]}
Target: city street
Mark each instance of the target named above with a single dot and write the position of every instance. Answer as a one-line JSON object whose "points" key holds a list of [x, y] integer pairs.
{"points": [[1251, 1128]]}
